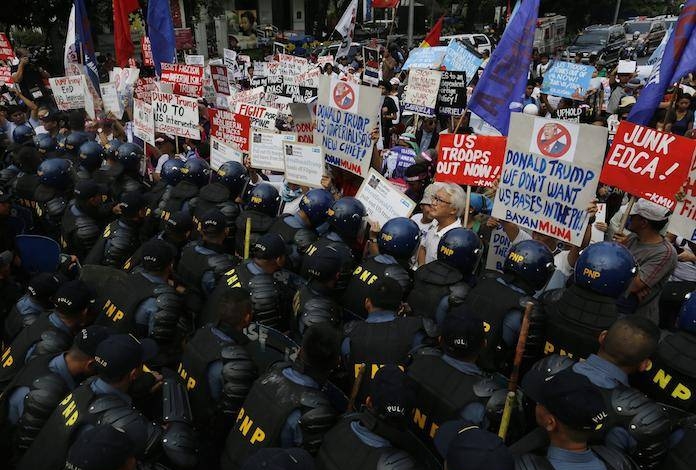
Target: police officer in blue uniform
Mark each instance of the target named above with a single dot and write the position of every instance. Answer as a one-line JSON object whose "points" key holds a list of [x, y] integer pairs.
{"points": [[82, 220], [196, 174], [261, 207], [89, 160], [52, 195], [36, 302]]}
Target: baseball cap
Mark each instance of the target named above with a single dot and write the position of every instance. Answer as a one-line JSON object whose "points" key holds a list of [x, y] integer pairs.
{"points": [[269, 246], [100, 448], [213, 221], [132, 203], [649, 210], [635, 83], [43, 285], [324, 264], [416, 172], [73, 297], [570, 397], [392, 393], [157, 255], [180, 222], [86, 189], [5, 195], [627, 101], [88, 339], [6, 258], [466, 447], [119, 354], [279, 459], [462, 332]]}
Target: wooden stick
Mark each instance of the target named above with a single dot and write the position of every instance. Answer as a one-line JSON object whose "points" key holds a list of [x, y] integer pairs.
{"points": [[627, 213], [247, 238], [459, 121], [467, 206], [356, 387]]}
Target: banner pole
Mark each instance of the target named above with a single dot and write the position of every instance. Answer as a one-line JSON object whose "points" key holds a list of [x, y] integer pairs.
{"points": [[627, 213], [467, 206]]}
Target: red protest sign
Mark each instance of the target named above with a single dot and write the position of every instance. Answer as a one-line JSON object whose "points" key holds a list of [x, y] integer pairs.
{"points": [[186, 80], [218, 73], [231, 128], [144, 86], [6, 51], [475, 160], [648, 163], [5, 76], [146, 49]]}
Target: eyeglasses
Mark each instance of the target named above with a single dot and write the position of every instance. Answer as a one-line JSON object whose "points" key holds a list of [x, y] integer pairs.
{"points": [[438, 200]]}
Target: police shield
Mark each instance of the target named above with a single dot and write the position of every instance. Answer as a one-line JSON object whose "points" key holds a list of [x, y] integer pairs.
{"points": [[39, 254]]}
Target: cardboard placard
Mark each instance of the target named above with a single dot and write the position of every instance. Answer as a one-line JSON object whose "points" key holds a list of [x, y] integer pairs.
{"points": [[547, 185], [266, 149], [648, 163], [451, 97], [683, 221], [458, 58], [421, 91], [425, 58], [175, 114], [186, 80], [69, 92], [192, 59], [568, 80], [383, 201], [146, 50], [230, 128], [6, 51], [304, 164], [372, 65], [110, 99], [497, 249], [470, 159], [5, 75], [218, 74], [144, 87], [303, 121], [626, 66], [221, 153], [144, 121], [262, 117]]}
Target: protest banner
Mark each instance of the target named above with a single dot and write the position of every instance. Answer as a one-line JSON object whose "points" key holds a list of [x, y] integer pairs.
{"points": [[683, 221], [143, 121], [262, 117], [266, 149], [230, 128], [421, 91], [6, 51], [146, 50], [304, 164], [193, 59], [303, 122], [69, 92], [425, 58], [372, 66], [218, 73], [110, 99], [186, 80], [177, 115], [458, 58], [497, 249], [648, 163], [344, 136], [310, 78], [542, 191], [382, 200], [5, 76], [345, 95], [567, 80], [291, 67], [451, 97], [470, 159], [221, 153], [144, 87]]}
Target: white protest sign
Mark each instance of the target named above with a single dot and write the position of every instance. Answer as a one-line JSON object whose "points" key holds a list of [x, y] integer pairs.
{"points": [[460, 59], [230, 58], [626, 66], [266, 149], [344, 95], [303, 121], [600, 216], [176, 114], [683, 221], [260, 69], [304, 164], [262, 117], [497, 249], [194, 60], [383, 201], [421, 91], [143, 121], [69, 92], [221, 153], [549, 191], [110, 99]]}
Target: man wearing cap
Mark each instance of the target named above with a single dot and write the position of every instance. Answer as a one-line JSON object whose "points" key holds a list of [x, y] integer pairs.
{"points": [[263, 276], [103, 400], [121, 237], [176, 233], [102, 448], [450, 384], [375, 436], [82, 220], [416, 178], [37, 301], [286, 407], [655, 256], [45, 381], [465, 446], [52, 332]]}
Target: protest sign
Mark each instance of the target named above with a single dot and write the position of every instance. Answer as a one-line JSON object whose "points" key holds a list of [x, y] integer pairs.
{"points": [[291, 66], [458, 58], [325, 59], [143, 121], [144, 87], [146, 50], [470, 159], [218, 73], [425, 58], [191, 59], [304, 164], [648, 163], [382, 200], [568, 80], [600, 216], [230, 128], [253, 96], [174, 114], [683, 221], [421, 91], [544, 193], [5, 76], [278, 48], [569, 114], [344, 95], [110, 99], [310, 78], [451, 98], [221, 153], [372, 68], [230, 59], [626, 66], [6, 51], [303, 122], [266, 149], [262, 117], [554, 139], [260, 69], [69, 92], [344, 136], [186, 80], [497, 249]]}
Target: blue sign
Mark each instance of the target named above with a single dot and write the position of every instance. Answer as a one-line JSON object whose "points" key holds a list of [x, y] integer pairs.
{"points": [[567, 80], [460, 59], [425, 58]]}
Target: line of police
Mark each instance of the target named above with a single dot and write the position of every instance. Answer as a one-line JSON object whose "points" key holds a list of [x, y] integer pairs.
{"points": [[162, 263]]}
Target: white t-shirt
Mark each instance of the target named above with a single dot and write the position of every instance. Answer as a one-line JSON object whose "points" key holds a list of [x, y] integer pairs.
{"points": [[433, 236]]}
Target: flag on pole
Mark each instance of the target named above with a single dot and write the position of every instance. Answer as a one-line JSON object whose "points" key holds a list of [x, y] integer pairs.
{"points": [[501, 87], [433, 37], [385, 3], [656, 56], [126, 12], [679, 59], [70, 54], [345, 27], [84, 46], [161, 33]]}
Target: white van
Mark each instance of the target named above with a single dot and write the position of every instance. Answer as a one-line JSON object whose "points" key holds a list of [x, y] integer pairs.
{"points": [[479, 42]]}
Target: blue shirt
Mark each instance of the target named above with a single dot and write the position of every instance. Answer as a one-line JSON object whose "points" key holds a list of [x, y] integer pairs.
{"points": [[562, 459], [55, 321], [99, 387], [215, 369], [474, 412], [145, 313], [601, 372], [28, 305], [381, 316], [291, 434]]}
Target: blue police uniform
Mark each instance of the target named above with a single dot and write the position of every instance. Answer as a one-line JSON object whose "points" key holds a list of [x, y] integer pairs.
{"points": [[145, 314]]}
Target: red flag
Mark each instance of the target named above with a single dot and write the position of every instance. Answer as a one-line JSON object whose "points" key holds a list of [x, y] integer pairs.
{"points": [[123, 9], [433, 37], [385, 3]]}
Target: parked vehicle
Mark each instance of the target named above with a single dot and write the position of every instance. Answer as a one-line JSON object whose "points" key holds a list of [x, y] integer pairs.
{"points": [[604, 41], [644, 35], [550, 33], [478, 42]]}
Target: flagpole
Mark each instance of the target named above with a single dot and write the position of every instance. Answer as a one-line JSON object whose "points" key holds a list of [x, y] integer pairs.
{"points": [[411, 5]]}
